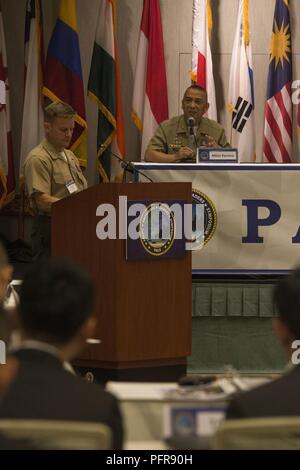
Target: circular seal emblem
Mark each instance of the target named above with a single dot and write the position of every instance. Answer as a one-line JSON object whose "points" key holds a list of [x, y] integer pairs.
{"points": [[204, 155], [184, 423], [210, 214], [157, 229]]}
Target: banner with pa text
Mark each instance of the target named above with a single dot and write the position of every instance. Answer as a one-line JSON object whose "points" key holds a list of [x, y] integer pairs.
{"points": [[252, 214]]}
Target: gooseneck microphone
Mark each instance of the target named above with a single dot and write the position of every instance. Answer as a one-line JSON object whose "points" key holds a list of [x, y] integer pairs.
{"points": [[191, 122], [192, 140], [127, 166]]}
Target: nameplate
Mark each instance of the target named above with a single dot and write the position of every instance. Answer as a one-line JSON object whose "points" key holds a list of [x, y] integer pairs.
{"points": [[188, 420], [217, 155]]}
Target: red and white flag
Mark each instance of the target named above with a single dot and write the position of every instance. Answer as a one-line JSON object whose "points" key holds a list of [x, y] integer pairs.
{"points": [[33, 128], [7, 175], [150, 93], [202, 68]]}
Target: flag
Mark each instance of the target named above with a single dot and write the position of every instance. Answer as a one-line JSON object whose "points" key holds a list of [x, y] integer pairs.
{"points": [[202, 68], [7, 175], [150, 92], [104, 90], [278, 129], [32, 129], [63, 76], [241, 89], [298, 116]]}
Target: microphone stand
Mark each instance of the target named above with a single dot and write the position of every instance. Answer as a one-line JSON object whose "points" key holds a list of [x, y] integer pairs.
{"points": [[128, 167], [191, 132]]}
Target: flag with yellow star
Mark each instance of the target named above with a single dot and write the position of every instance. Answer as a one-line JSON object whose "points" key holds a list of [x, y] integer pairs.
{"points": [[278, 130]]}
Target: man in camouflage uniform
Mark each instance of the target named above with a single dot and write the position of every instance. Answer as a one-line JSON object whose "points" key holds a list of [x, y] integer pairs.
{"points": [[51, 173], [171, 141]]}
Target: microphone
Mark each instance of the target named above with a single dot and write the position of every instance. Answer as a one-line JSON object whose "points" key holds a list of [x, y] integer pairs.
{"points": [[127, 166], [191, 121], [192, 140]]}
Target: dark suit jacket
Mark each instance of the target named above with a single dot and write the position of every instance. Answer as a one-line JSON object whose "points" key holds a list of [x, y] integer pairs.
{"points": [[277, 398], [42, 389]]}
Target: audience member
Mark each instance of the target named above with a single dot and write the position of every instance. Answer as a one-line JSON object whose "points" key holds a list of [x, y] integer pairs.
{"points": [[56, 302], [279, 397]]}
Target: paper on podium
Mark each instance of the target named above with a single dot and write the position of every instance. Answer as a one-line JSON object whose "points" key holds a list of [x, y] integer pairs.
{"points": [[219, 390]]}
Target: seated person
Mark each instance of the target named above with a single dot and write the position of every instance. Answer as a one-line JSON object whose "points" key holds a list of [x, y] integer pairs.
{"points": [[279, 397], [56, 302], [173, 140]]}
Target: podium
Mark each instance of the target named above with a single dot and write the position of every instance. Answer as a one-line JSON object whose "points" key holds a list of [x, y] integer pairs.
{"points": [[143, 307]]}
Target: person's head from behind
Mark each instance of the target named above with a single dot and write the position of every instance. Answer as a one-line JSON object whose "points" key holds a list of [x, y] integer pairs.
{"points": [[56, 303], [194, 103], [287, 301], [59, 123]]}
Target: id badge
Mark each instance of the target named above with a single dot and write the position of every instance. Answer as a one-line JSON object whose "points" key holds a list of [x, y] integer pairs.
{"points": [[71, 187]]}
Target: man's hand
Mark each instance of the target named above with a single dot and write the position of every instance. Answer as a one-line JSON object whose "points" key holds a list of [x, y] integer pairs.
{"points": [[161, 157], [184, 153], [210, 142], [44, 201]]}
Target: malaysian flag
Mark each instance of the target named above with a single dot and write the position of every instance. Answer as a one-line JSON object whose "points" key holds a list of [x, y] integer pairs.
{"points": [[278, 131]]}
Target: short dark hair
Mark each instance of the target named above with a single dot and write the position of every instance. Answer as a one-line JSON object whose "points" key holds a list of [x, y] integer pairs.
{"points": [[58, 109], [194, 86], [56, 299], [287, 301]]}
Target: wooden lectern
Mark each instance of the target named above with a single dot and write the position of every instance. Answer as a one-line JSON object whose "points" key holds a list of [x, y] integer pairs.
{"points": [[143, 308]]}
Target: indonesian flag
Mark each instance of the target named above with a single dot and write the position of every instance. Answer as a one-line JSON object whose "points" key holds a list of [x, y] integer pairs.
{"points": [[150, 93], [7, 176], [202, 69], [33, 128]]}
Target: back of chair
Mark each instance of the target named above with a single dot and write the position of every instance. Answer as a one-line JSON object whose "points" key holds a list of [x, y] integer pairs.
{"points": [[258, 433], [64, 435]]}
